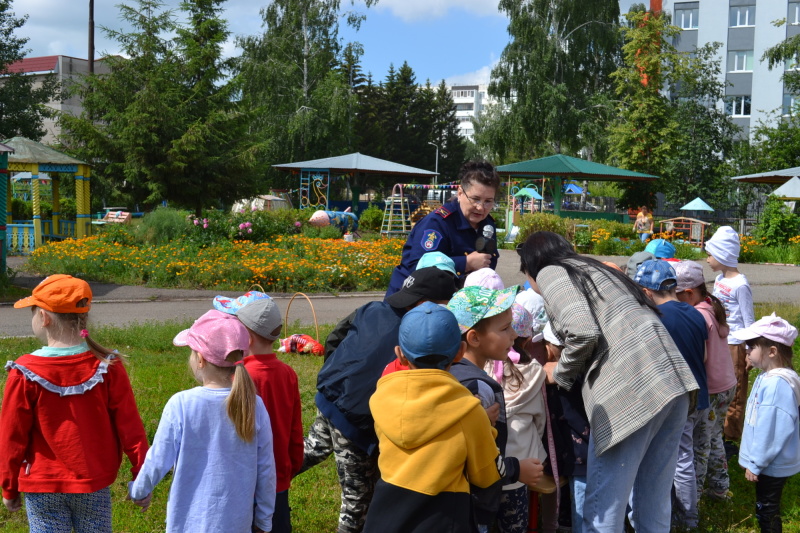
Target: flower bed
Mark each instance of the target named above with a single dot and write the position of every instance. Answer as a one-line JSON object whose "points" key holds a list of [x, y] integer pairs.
{"points": [[286, 264]]}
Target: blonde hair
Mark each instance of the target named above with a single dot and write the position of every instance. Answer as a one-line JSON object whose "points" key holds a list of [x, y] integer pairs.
{"points": [[75, 323], [241, 402]]}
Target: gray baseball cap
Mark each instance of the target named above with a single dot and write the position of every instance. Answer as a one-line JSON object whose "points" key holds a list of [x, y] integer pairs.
{"points": [[262, 317]]}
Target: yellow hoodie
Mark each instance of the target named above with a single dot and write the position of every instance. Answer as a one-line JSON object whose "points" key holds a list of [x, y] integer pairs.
{"points": [[433, 436]]}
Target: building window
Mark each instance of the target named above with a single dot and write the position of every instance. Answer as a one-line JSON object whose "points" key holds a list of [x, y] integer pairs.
{"points": [[464, 119], [686, 19], [467, 132], [791, 63], [790, 102], [465, 107], [740, 61], [463, 94], [737, 106], [743, 16], [794, 13]]}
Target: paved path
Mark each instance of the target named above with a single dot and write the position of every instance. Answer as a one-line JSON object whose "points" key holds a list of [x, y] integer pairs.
{"points": [[122, 304]]}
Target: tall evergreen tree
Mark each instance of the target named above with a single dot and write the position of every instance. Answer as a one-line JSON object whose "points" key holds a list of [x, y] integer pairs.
{"points": [[161, 125], [22, 102]]}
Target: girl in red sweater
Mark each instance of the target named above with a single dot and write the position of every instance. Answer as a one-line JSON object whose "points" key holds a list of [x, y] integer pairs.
{"points": [[67, 416]]}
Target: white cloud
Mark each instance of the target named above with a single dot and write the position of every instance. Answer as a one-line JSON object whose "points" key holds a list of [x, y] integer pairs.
{"points": [[414, 10], [482, 75]]}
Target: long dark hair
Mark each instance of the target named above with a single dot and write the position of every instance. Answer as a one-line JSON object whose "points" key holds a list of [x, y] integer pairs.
{"points": [[545, 248]]}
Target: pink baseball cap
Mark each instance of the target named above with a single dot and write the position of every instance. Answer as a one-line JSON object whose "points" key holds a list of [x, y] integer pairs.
{"points": [[214, 336], [486, 278], [770, 327]]}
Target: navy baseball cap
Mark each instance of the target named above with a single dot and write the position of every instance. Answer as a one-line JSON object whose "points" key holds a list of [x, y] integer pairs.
{"points": [[429, 336], [656, 275]]}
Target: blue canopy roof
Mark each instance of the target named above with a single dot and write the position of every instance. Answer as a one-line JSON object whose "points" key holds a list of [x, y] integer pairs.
{"points": [[697, 205]]}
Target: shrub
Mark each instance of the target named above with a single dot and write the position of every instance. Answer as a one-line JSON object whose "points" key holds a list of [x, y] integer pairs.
{"points": [[371, 218], [21, 210], [163, 225], [533, 222], [117, 234], [778, 224]]}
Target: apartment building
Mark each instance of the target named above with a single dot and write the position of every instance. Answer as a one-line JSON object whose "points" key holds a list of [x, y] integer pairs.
{"points": [[469, 100], [66, 69], [745, 28]]}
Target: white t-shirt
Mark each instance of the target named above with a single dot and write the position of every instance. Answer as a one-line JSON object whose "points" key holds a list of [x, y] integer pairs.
{"points": [[735, 295]]}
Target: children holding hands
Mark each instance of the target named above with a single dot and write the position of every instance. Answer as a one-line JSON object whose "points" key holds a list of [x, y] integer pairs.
{"points": [[217, 438], [67, 416]]}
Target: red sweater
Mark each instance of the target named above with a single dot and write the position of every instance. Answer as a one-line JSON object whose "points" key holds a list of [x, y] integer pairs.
{"points": [[276, 383], [64, 424]]}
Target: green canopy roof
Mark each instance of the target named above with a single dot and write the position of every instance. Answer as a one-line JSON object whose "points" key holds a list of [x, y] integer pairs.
{"points": [[566, 166]]}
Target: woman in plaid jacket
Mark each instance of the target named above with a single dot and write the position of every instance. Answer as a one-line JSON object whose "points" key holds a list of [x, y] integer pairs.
{"points": [[636, 383]]}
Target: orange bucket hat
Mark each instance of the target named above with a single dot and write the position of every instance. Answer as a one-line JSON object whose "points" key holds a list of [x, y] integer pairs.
{"points": [[59, 293]]}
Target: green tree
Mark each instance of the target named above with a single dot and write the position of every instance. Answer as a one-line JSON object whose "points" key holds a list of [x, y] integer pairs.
{"points": [[162, 125], [288, 75], [22, 101], [559, 56], [644, 134], [786, 51], [704, 133]]}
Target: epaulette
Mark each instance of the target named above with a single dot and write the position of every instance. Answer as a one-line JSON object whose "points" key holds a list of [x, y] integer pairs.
{"points": [[443, 212]]}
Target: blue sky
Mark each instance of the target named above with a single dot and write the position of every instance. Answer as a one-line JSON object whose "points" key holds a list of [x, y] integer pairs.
{"points": [[455, 40]]}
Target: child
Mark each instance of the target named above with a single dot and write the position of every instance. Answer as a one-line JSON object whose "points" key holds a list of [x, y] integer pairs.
{"points": [[687, 328], [522, 383], [276, 384], [484, 318], [217, 438], [356, 352], [770, 450], [68, 414], [433, 433], [709, 452], [733, 291]]}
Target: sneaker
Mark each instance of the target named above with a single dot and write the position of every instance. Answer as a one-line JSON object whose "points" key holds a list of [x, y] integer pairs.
{"points": [[723, 496]]}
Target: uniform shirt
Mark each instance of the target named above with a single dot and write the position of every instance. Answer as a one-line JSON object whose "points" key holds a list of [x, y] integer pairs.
{"points": [[445, 230]]}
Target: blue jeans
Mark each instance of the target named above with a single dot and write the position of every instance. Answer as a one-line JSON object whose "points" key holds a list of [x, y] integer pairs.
{"points": [[685, 495], [577, 486], [639, 470], [281, 518], [644, 236]]}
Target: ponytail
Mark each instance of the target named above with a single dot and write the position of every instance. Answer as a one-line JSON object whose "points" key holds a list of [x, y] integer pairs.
{"points": [[70, 323], [241, 403], [719, 309]]}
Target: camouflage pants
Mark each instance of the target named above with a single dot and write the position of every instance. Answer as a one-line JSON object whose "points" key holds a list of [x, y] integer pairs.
{"points": [[709, 452], [358, 471]]}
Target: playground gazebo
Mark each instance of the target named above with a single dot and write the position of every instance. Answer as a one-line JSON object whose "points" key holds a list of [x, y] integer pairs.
{"points": [[31, 156], [315, 174], [558, 167]]}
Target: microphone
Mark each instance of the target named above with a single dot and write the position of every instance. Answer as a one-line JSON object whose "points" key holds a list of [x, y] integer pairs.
{"points": [[486, 243]]}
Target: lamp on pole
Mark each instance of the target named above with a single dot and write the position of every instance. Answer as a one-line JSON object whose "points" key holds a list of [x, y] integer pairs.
{"points": [[436, 168]]}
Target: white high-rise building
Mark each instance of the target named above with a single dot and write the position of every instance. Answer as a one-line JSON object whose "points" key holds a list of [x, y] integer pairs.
{"points": [[470, 101]]}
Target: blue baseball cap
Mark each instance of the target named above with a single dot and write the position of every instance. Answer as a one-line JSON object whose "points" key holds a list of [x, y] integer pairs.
{"points": [[656, 275], [430, 331], [661, 248]]}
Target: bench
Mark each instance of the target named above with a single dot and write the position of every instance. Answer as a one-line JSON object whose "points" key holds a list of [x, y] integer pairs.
{"points": [[117, 217]]}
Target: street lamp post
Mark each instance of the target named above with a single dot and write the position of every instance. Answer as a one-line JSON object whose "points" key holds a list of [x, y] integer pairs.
{"points": [[436, 164]]}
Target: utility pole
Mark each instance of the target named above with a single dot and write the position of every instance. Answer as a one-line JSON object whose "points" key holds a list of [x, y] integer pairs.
{"points": [[436, 164], [91, 37]]}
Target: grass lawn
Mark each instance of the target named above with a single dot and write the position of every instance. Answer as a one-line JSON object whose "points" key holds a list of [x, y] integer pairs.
{"points": [[158, 370]]}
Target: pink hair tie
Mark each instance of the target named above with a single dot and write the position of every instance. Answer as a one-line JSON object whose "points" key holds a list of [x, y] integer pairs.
{"points": [[708, 300], [84, 333], [239, 362]]}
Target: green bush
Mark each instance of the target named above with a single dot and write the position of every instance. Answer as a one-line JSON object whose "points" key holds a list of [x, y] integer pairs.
{"points": [[257, 226], [533, 222], [68, 209], [117, 234], [778, 224], [325, 232], [163, 225], [21, 210], [371, 218]]}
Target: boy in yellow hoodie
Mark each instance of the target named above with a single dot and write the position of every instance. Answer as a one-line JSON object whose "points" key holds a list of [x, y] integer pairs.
{"points": [[433, 433]]}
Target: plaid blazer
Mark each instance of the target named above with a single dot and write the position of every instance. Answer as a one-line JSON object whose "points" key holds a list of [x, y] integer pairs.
{"points": [[632, 367]]}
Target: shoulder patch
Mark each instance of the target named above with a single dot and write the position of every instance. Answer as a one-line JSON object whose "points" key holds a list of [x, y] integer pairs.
{"points": [[442, 211], [430, 240]]}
